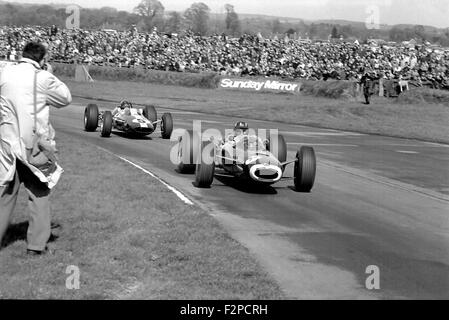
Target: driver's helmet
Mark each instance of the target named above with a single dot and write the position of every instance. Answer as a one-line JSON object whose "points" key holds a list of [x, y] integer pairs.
{"points": [[125, 104], [241, 128]]}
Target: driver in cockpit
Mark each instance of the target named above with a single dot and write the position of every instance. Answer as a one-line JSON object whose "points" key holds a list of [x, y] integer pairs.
{"points": [[123, 109]]}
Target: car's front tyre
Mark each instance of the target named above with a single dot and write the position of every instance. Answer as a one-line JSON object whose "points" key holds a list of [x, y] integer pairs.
{"points": [[305, 169], [278, 147], [188, 148], [166, 126], [205, 167], [106, 126], [91, 117], [150, 113]]}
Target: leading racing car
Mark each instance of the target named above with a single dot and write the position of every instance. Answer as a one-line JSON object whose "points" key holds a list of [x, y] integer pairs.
{"points": [[246, 157], [128, 119]]}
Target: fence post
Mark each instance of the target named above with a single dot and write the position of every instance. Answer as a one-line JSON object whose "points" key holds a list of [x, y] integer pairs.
{"points": [[381, 87], [82, 74]]}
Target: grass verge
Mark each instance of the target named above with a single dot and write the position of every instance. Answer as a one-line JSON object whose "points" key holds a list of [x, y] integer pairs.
{"points": [[187, 79], [336, 89], [130, 237], [425, 96], [422, 121]]}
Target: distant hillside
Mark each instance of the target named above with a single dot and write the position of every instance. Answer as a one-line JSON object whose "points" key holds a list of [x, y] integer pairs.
{"points": [[267, 17], [269, 26], [426, 28], [249, 16], [337, 22]]}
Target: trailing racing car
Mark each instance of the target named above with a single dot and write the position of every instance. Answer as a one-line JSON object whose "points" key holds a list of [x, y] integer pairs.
{"points": [[246, 157], [128, 119]]}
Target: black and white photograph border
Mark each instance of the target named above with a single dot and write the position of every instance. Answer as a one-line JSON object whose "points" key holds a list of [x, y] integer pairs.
{"points": [[224, 150]]}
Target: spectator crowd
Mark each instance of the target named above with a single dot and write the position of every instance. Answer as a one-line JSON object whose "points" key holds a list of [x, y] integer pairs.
{"points": [[249, 55]]}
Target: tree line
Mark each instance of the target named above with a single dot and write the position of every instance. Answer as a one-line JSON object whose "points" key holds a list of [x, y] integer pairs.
{"points": [[151, 14]]}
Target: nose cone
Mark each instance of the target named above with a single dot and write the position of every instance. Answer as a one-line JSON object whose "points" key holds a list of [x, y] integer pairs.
{"points": [[139, 125], [265, 173]]}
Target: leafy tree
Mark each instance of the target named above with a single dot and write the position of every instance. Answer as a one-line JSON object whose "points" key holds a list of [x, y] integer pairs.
{"points": [[174, 22], [232, 20], [109, 11], [399, 34], [420, 32], [197, 18], [150, 11], [313, 31], [290, 31], [334, 33]]}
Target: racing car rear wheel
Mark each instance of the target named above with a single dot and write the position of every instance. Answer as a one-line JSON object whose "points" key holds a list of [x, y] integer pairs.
{"points": [[167, 125], [278, 147], [189, 144], [305, 169], [150, 113], [205, 167], [106, 125], [91, 117]]}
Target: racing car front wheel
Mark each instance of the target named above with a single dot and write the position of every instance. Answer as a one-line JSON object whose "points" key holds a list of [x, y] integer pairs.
{"points": [[278, 147], [150, 113], [91, 117], [106, 125], [305, 169], [205, 167], [189, 145], [166, 125]]}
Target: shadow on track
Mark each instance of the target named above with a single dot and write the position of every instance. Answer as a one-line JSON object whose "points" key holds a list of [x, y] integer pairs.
{"points": [[131, 136], [246, 186]]}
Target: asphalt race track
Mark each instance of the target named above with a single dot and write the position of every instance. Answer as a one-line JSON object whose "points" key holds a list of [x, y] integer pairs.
{"points": [[377, 201]]}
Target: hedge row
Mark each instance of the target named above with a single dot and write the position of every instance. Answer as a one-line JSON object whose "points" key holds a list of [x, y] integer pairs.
{"points": [[337, 89], [424, 96], [330, 89], [199, 80]]}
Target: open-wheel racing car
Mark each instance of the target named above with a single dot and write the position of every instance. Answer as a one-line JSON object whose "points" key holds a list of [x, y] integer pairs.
{"points": [[245, 157], [128, 119]]}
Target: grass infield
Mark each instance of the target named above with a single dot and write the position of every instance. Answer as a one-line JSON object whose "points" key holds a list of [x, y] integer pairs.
{"points": [[390, 117], [130, 237]]}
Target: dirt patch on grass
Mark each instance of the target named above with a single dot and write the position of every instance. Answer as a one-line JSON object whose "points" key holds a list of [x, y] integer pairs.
{"points": [[130, 238]]}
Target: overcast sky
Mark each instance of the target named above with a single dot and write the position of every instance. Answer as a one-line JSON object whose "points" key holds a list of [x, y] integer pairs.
{"points": [[426, 12]]}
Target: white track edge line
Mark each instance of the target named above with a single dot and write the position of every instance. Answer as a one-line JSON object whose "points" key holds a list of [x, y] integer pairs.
{"points": [[178, 193]]}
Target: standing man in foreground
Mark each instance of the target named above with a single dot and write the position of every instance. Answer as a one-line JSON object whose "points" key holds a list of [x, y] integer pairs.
{"points": [[27, 146]]}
